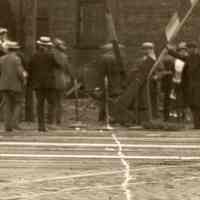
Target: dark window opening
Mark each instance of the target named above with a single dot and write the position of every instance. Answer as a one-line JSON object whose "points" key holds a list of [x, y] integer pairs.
{"points": [[90, 23]]}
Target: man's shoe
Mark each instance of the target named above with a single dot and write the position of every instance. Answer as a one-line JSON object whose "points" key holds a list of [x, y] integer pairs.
{"points": [[8, 130], [196, 128], [42, 129]]}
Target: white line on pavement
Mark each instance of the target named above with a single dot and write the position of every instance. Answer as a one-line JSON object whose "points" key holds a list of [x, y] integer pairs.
{"points": [[54, 156], [50, 144], [107, 138]]}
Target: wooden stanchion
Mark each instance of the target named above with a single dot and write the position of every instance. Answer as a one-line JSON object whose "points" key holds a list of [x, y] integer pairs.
{"points": [[106, 83], [78, 124]]}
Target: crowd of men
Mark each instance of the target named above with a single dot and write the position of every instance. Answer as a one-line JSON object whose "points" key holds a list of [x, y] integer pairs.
{"points": [[47, 73], [122, 97], [174, 86], [188, 91]]}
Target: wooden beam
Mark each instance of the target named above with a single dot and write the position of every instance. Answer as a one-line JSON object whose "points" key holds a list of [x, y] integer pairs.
{"points": [[30, 25]]}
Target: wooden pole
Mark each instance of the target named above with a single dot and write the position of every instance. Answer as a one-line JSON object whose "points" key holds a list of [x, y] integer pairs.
{"points": [[76, 100], [107, 112], [78, 22], [30, 27]]}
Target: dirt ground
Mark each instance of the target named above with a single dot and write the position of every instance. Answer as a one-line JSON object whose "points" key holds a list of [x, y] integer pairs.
{"points": [[118, 178], [98, 180]]}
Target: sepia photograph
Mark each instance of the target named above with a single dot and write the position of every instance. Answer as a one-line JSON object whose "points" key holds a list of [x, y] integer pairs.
{"points": [[99, 100]]}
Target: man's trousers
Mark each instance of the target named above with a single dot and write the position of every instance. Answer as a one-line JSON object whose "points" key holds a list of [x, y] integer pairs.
{"points": [[196, 117], [50, 96], [13, 101]]}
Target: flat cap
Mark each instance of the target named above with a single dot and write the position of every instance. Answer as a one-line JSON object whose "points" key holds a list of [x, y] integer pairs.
{"points": [[192, 45], [182, 45], [148, 45]]}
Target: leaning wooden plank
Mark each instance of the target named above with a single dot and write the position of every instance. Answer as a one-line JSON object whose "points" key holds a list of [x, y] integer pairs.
{"points": [[71, 90]]}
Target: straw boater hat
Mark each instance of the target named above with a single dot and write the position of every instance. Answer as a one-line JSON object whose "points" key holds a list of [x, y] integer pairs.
{"points": [[3, 31], [60, 44], [148, 45], [182, 45], [12, 45], [44, 41], [109, 46]]}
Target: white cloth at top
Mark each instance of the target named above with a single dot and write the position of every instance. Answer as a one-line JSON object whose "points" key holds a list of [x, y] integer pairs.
{"points": [[179, 66]]}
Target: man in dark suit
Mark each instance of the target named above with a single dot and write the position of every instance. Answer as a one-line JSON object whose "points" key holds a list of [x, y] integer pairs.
{"points": [[62, 75], [144, 68], [190, 79], [2, 53], [166, 85], [12, 81], [108, 67], [132, 106], [42, 78]]}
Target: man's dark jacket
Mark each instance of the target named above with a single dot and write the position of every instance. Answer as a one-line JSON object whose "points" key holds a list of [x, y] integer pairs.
{"points": [[190, 78], [11, 73], [168, 64], [144, 70], [106, 65], [41, 71]]}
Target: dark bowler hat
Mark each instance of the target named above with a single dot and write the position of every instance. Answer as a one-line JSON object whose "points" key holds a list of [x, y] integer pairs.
{"points": [[192, 45]]}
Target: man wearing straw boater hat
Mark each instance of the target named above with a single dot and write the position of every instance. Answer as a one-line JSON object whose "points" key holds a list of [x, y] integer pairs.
{"points": [[42, 79], [144, 67], [12, 81]]}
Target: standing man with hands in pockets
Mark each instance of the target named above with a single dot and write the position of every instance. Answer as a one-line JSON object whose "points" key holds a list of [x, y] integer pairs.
{"points": [[42, 79]]}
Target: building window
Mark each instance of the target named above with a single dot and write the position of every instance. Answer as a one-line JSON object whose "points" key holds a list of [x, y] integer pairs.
{"points": [[90, 23]]}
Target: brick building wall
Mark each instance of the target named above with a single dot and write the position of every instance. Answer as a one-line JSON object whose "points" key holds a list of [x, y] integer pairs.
{"points": [[146, 20], [7, 17], [136, 21]]}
